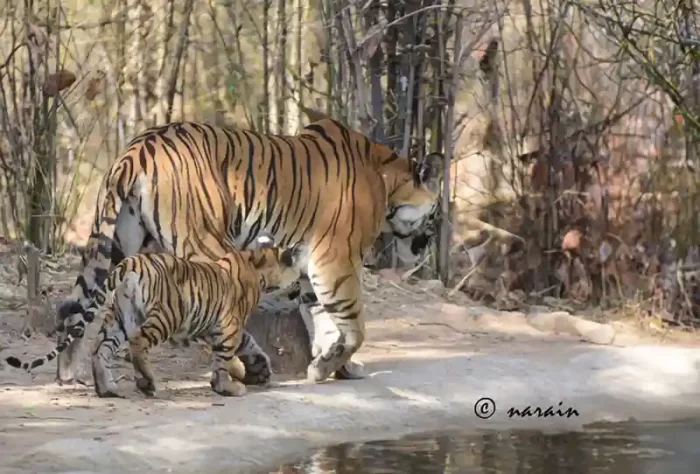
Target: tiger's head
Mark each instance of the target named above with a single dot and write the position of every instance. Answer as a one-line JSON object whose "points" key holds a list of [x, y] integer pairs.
{"points": [[413, 197], [278, 268]]}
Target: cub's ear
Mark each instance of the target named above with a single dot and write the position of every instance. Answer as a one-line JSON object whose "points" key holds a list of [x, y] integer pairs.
{"points": [[428, 171], [286, 257]]}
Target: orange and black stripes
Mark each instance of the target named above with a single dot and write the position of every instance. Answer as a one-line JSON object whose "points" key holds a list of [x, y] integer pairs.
{"points": [[197, 190], [159, 296]]}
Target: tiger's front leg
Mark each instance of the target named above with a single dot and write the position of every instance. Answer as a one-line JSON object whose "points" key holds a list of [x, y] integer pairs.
{"points": [[323, 331], [228, 372], [338, 289]]}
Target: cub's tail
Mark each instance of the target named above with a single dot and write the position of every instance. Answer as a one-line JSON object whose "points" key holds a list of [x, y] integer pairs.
{"points": [[77, 331]]}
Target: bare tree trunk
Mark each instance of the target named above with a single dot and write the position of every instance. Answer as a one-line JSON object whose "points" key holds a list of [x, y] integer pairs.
{"points": [[331, 73], [375, 68], [420, 99], [418, 109], [48, 166], [179, 52], [358, 101], [166, 21], [394, 11], [265, 108], [280, 82], [40, 127], [273, 90], [342, 84], [294, 76], [137, 64], [410, 67], [439, 56], [237, 25], [449, 145], [405, 85], [692, 140], [210, 62], [185, 73], [121, 67]]}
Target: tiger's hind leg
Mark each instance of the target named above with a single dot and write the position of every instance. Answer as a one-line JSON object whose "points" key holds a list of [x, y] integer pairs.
{"points": [[151, 333], [338, 289], [122, 317], [110, 338], [258, 367], [127, 237]]}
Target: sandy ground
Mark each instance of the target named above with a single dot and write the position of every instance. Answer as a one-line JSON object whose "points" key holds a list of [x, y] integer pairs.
{"points": [[428, 362]]}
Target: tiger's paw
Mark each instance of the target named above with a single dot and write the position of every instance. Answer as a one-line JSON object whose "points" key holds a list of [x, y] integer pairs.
{"points": [[350, 371], [106, 390], [108, 393], [315, 374], [229, 388], [103, 383], [65, 372], [258, 369], [146, 386]]}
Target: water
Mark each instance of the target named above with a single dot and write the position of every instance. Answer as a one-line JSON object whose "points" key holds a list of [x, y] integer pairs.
{"points": [[616, 448]]}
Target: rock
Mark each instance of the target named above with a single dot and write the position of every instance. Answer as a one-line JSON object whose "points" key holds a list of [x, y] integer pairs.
{"points": [[603, 334], [278, 328], [562, 322]]}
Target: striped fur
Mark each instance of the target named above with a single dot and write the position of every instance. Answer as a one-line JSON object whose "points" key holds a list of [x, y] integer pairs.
{"points": [[194, 190], [159, 296]]}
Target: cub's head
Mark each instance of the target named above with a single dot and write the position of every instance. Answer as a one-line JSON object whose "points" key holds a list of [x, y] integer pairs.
{"points": [[414, 189], [277, 267]]}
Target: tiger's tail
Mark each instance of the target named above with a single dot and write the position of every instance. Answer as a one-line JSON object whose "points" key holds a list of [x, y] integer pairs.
{"points": [[101, 298], [83, 308], [18, 364], [116, 188]]}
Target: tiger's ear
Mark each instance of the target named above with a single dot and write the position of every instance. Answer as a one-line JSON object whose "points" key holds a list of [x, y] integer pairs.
{"points": [[428, 171]]}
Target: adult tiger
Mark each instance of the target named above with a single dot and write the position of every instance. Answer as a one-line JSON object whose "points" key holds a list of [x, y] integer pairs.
{"points": [[194, 189]]}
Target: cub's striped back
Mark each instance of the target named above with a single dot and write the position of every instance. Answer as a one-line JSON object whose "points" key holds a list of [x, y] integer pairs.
{"points": [[160, 296]]}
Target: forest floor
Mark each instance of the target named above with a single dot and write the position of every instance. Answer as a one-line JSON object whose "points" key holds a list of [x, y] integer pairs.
{"points": [[428, 361]]}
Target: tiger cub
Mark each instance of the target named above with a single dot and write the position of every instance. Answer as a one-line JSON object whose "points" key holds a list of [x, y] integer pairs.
{"points": [[158, 297]]}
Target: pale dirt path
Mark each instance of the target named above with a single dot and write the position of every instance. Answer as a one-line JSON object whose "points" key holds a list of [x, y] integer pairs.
{"points": [[428, 363]]}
